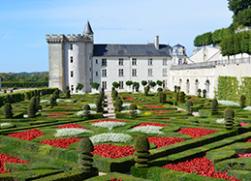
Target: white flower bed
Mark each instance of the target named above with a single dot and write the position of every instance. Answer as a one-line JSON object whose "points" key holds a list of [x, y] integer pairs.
{"points": [[92, 106], [81, 113], [70, 132], [248, 108], [127, 111], [6, 125], [64, 100], [228, 103], [109, 124], [220, 121], [111, 137], [44, 101], [126, 105], [196, 114], [147, 129]]}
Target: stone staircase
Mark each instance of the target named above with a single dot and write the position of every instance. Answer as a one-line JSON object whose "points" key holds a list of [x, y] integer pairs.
{"points": [[109, 108]]}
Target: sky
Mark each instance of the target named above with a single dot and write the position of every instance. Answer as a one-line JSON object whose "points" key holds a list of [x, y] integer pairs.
{"points": [[25, 23]]}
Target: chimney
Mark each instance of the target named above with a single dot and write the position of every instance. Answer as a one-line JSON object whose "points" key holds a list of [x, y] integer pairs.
{"points": [[156, 42]]}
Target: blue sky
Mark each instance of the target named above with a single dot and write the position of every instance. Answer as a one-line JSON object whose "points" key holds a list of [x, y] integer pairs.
{"points": [[24, 24]]}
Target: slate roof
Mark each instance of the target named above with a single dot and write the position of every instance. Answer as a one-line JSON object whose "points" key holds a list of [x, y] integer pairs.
{"points": [[131, 50], [88, 29]]}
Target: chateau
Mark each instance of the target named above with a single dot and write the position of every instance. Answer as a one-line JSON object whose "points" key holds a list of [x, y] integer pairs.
{"points": [[75, 59]]}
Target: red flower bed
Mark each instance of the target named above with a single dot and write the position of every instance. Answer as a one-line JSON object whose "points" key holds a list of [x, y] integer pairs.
{"points": [[242, 124], [196, 132], [151, 124], [128, 98], [8, 159], [249, 140], [160, 112], [70, 125], [57, 114], [113, 151], [150, 106], [116, 179], [164, 141], [201, 166], [244, 155], [27, 135], [61, 142], [108, 120]]}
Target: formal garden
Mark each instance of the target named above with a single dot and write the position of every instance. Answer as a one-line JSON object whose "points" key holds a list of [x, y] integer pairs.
{"points": [[47, 134]]}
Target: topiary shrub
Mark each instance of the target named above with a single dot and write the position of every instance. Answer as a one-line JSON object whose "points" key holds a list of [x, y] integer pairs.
{"points": [[162, 97], [99, 104], [199, 92], [32, 108], [160, 89], [56, 92], [38, 106], [118, 104], [243, 101], [182, 97], [204, 93], [133, 110], [176, 98], [175, 88], [214, 107], [85, 150], [87, 109], [146, 90], [53, 100], [8, 114], [141, 155], [229, 118], [189, 107]]}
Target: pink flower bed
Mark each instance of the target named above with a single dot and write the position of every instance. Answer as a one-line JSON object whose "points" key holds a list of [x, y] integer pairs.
{"points": [[70, 125], [8, 159], [196, 132], [108, 120], [151, 124], [164, 141], [201, 166], [61, 142], [113, 151], [244, 155], [27, 135], [150, 106], [242, 124], [249, 140]]}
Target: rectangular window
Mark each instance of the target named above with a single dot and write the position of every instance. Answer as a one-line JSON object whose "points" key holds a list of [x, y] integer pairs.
{"points": [[96, 61], [150, 61], [104, 73], [71, 46], [104, 85], [150, 72], [71, 59], [121, 62], [96, 73], [164, 61], [104, 62], [121, 72], [121, 85], [164, 72], [71, 73], [134, 72], [72, 87], [134, 61]]}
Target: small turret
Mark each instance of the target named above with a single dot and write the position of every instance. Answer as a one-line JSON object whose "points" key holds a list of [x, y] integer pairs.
{"points": [[88, 29]]}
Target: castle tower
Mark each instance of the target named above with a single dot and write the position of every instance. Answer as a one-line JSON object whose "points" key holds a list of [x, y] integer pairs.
{"points": [[70, 60]]}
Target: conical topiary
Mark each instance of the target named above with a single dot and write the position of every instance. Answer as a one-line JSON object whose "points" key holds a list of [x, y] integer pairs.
{"points": [[162, 97], [214, 107], [8, 111], [118, 104], [53, 100], [189, 107], [182, 97], [243, 101], [99, 104], [85, 150], [141, 155], [87, 110], [32, 108], [229, 118]]}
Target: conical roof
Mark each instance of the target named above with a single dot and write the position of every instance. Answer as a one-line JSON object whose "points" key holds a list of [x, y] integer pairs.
{"points": [[88, 29]]}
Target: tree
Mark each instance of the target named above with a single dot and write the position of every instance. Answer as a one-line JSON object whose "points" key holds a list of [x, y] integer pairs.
{"points": [[53, 100], [8, 114], [204, 93], [68, 94], [144, 83], [129, 83], [243, 18], [238, 5], [141, 155], [152, 84], [182, 97], [214, 107], [32, 108], [99, 104], [159, 82], [115, 85], [95, 85], [136, 86], [189, 107], [79, 87], [220, 34], [203, 40], [229, 118], [146, 90], [243, 101], [199, 92], [86, 110], [118, 104]]}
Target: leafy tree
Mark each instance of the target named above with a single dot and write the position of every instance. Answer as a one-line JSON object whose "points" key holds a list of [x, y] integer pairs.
{"points": [[220, 34], [189, 107], [68, 94], [115, 85], [118, 104], [129, 83], [95, 85], [32, 108], [159, 82], [8, 114], [136, 86], [79, 87], [203, 40], [146, 90], [152, 84], [199, 92], [99, 104], [238, 5], [53, 100], [144, 83], [182, 97], [133, 110]]}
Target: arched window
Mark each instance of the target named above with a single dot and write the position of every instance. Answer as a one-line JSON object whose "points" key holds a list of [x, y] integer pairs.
{"points": [[207, 86], [188, 86], [196, 86]]}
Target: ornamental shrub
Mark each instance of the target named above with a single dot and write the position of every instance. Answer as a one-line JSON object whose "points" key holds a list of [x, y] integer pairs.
{"points": [[141, 155], [68, 94], [85, 150], [32, 108], [182, 97], [99, 104], [144, 83], [243, 101], [199, 92], [214, 107], [162, 97], [8, 111], [37, 100], [159, 82], [229, 118], [133, 107], [118, 104], [87, 109], [133, 110], [204, 93], [175, 88], [53, 100], [136, 86], [146, 90], [115, 85], [176, 98], [114, 94], [189, 107], [56, 92]]}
